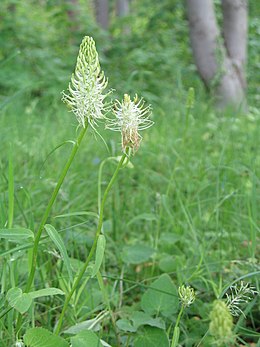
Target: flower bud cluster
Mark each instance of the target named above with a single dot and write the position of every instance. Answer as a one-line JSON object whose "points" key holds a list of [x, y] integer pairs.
{"points": [[221, 322]]}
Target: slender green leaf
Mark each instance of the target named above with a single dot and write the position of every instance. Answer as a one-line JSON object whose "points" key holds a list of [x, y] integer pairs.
{"points": [[176, 336], [79, 213], [16, 234], [10, 189], [101, 245], [57, 240], [45, 292]]}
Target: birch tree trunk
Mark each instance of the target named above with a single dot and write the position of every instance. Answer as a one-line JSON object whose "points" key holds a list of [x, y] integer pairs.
{"points": [[102, 13], [122, 7], [220, 69], [235, 34]]}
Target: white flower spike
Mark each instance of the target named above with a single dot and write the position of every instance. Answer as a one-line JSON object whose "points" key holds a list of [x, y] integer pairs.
{"points": [[86, 98], [130, 117]]}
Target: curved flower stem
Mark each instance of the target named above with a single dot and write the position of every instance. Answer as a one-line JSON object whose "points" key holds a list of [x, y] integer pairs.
{"points": [[93, 248], [47, 212]]}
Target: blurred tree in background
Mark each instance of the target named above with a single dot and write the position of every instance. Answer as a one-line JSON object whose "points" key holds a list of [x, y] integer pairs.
{"points": [[142, 43], [221, 61]]}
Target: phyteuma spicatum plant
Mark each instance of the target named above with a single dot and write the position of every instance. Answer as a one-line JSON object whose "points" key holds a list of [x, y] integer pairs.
{"points": [[221, 323], [130, 118], [86, 98], [187, 295], [239, 295]]}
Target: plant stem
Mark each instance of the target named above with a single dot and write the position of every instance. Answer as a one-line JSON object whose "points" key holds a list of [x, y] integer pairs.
{"points": [[176, 333], [47, 212], [93, 248]]}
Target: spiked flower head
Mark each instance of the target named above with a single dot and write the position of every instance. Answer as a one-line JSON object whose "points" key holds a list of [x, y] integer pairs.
{"points": [[130, 117], [187, 295], [86, 97]]}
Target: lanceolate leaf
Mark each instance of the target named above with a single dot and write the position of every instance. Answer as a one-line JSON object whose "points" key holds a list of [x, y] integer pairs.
{"points": [[56, 238], [101, 245], [16, 234], [46, 292]]}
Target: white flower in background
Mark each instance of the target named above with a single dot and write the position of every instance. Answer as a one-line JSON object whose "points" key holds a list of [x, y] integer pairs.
{"points": [[86, 98], [130, 118], [187, 295]]}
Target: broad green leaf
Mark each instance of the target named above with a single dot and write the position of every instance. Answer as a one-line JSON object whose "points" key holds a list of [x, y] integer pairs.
{"points": [[39, 337], [141, 318], [138, 319], [125, 325], [136, 254], [101, 245], [143, 216], [86, 325], [152, 337], [161, 297], [18, 300], [168, 263], [45, 292], [169, 239], [85, 338], [56, 238], [16, 234]]}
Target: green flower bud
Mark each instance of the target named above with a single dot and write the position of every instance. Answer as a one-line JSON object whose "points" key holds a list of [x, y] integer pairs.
{"points": [[187, 295], [221, 322]]}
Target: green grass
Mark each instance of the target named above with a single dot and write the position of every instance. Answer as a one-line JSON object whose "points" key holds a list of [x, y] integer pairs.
{"points": [[192, 195]]}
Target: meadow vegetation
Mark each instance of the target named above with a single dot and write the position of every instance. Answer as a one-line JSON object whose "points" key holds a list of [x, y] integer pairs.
{"points": [[183, 211]]}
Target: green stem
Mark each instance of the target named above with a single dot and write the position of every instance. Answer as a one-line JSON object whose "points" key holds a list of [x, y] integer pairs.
{"points": [[93, 248], [47, 212], [175, 338], [179, 316]]}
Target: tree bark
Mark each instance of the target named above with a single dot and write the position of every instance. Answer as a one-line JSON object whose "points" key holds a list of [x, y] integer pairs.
{"points": [[211, 58], [102, 13], [122, 8], [235, 34]]}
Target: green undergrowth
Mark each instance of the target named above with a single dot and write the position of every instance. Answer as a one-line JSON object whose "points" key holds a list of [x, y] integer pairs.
{"points": [[183, 212]]}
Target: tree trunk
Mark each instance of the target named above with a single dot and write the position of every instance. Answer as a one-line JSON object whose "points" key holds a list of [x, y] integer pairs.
{"points": [[102, 13], [235, 34], [122, 8], [211, 58]]}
